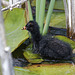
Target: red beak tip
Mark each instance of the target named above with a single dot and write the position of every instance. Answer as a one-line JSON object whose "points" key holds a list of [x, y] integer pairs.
{"points": [[24, 28]]}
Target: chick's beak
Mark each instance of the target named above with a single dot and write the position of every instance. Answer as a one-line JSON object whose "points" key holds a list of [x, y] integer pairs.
{"points": [[24, 28]]}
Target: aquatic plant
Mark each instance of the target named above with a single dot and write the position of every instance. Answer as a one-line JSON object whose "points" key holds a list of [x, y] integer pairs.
{"points": [[40, 14]]}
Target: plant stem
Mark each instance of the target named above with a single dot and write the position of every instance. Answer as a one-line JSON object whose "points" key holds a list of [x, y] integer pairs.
{"points": [[37, 9], [48, 18], [26, 13], [30, 11], [41, 15]]}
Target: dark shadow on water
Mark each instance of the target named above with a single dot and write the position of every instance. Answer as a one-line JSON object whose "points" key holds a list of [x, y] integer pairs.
{"points": [[57, 31], [18, 58]]}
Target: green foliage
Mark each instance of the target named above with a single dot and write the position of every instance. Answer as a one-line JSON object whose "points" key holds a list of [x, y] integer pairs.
{"points": [[30, 11], [59, 4], [46, 69], [48, 18], [41, 15], [31, 57], [37, 9], [14, 21], [53, 69], [58, 20], [56, 4], [22, 71]]}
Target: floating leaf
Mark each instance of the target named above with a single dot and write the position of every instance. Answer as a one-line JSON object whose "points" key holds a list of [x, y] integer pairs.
{"points": [[32, 58], [22, 71], [52, 69], [14, 21], [58, 20], [59, 5], [46, 69]]}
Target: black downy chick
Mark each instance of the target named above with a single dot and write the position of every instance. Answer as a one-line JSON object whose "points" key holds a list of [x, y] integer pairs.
{"points": [[47, 46]]}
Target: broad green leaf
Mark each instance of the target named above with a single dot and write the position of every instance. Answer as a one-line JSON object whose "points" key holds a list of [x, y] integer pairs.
{"points": [[14, 21], [53, 69], [30, 11], [46, 69], [41, 15], [48, 18], [22, 71], [31, 57], [37, 9], [58, 20], [59, 4]]}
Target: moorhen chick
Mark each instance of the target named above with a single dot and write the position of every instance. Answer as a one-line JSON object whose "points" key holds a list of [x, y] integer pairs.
{"points": [[47, 46]]}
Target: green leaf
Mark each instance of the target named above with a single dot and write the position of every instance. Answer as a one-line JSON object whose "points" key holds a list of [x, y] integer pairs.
{"points": [[41, 15], [14, 21], [32, 58], [22, 71], [48, 18], [58, 20], [46, 69], [37, 9], [30, 11], [53, 69], [59, 5]]}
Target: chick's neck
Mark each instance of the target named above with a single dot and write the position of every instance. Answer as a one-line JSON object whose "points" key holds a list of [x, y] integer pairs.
{"points": [[36, 36]]}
